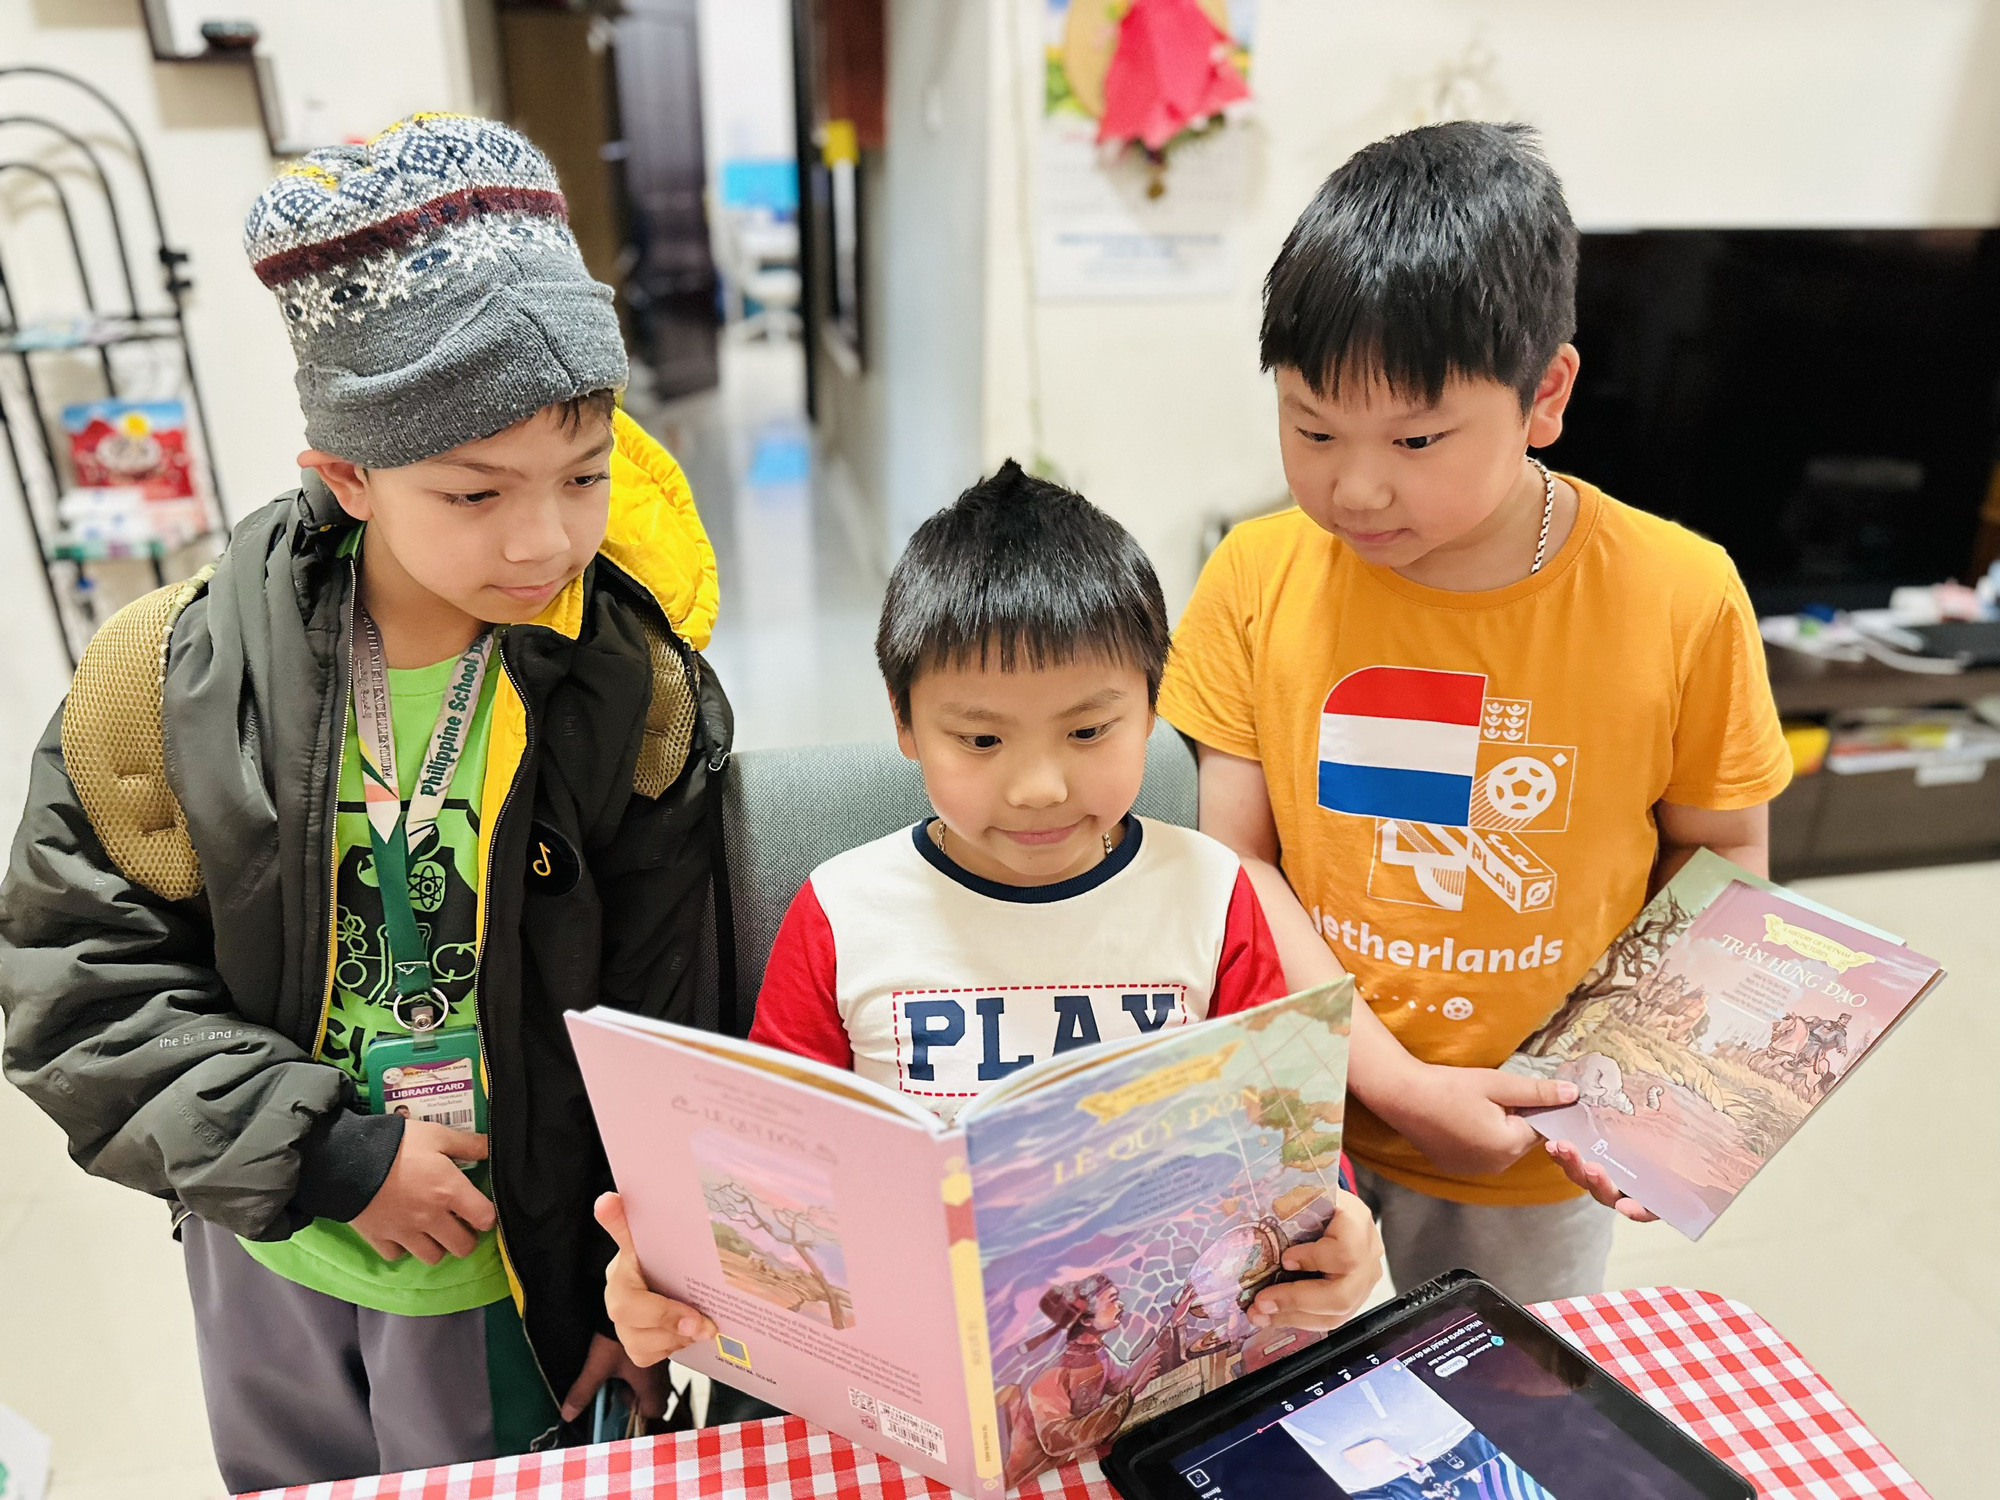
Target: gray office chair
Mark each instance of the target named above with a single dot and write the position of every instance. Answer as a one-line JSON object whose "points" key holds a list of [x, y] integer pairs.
{"points": [[785, 811]]}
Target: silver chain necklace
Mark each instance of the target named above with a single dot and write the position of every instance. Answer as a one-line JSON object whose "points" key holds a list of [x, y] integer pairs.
{"points": [[1548, 510]]}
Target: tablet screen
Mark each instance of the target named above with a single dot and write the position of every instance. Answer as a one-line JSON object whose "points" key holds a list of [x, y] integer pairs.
{"points": [[1465, 1401]]}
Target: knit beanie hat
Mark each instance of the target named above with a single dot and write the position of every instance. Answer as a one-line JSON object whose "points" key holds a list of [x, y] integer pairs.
{"points": [[432, 288]]}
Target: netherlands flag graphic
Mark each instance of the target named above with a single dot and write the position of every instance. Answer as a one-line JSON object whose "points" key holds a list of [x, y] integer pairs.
{"points": [[1401, 742]]}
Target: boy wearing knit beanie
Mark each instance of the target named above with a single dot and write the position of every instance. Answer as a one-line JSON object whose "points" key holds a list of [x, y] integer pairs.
{"points": [[326, 840]]}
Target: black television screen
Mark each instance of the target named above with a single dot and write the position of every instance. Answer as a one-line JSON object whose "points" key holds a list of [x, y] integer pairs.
{"points": [[1823, 403]]}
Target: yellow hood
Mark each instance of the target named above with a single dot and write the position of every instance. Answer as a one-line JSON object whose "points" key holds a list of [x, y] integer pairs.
{"points": [[655, 535]]}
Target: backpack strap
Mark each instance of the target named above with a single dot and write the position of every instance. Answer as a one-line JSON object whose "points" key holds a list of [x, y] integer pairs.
{"points": [[670, 715], [114, 748], [115, 751]]}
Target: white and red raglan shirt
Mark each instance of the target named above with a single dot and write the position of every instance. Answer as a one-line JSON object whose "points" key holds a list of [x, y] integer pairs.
{"points": [[896, 963]]}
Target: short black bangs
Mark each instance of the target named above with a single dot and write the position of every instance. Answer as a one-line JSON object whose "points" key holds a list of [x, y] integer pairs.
{"points": [[1022, 574], [1443, 252]]}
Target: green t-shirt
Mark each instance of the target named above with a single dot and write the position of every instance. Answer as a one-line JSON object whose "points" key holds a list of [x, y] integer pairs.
{"points": [[326, 1255]]}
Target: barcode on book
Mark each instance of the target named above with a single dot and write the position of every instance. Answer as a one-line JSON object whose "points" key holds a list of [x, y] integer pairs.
{"points": [[926, 1437]]}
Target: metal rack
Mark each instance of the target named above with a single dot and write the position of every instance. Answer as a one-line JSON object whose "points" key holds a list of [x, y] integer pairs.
{"points": [[72, 163]]}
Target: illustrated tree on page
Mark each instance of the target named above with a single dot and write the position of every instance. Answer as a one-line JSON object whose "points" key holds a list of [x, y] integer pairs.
{"points": [[795, 1229], [1636, 953]]}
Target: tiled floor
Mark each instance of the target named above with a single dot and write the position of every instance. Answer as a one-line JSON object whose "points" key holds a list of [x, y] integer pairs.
{"points": [[801, 585], [1869, 1242]]}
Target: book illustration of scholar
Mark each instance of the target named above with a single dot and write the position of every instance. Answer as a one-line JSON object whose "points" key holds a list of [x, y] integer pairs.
{"points": [[1127, 1216], [1710, 1029], [985, 1300]]}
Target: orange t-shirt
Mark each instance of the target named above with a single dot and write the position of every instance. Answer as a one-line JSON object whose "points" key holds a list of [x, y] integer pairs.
{"points": [[1463, 783]]}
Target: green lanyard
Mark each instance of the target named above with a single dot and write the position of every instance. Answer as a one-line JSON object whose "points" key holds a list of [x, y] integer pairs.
{"points": [[419, 1005]]}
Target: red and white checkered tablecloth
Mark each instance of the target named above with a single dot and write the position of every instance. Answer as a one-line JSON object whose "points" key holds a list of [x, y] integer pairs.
{"points": [[1710, 1364], [1725, 1375]]}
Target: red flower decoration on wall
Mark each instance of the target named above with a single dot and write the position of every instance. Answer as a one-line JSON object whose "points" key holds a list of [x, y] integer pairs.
{"points": [[1172, 69]]}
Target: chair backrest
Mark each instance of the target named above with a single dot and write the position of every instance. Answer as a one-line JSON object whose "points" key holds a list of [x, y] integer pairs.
{"points": [[786, 811]]}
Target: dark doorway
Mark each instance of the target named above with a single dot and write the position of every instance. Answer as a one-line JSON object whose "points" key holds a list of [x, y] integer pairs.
{"points": [[670, 285], [617, 107]]}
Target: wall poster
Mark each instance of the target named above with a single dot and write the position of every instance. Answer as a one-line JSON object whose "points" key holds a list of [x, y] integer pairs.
{"points": [[1141, 159]]}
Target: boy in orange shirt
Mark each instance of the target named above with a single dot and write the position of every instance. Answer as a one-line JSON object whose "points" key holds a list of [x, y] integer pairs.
{"points": [[1460, 716]]}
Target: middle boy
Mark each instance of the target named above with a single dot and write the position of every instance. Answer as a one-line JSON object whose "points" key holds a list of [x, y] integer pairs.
{"points": [[1023, 639]]}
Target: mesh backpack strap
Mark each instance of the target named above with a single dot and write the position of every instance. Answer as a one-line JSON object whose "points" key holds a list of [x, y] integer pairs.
{"points": [[669, 716], [673, 716], [114, 748]]}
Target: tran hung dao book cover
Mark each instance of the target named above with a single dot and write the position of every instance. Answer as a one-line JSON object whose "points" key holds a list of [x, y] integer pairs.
{"points": [[1709, 1031]]}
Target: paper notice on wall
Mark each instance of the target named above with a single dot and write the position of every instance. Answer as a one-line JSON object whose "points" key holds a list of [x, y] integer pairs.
{"points": [[1098, 234], [24, 1459], [1114, 221]]}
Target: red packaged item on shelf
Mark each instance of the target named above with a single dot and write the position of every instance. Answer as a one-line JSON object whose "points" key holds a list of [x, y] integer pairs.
{"points": [[131, 444]]}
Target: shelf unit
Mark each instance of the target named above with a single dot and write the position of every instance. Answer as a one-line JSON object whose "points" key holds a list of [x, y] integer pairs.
{"points": [[1835, 823], [70, 163], [263, 78]]}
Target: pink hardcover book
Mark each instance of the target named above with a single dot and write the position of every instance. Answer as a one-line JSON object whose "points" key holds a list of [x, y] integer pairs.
{"points": [[984, 1301], [1711, 1029]]}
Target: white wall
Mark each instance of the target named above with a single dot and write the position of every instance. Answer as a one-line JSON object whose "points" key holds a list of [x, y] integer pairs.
{"points": [[200, 128], [909, 428], [933, 252], [1656, 112]]}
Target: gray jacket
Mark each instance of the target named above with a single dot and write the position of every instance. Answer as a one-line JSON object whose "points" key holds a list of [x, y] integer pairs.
{"points": [[173, 1039]]}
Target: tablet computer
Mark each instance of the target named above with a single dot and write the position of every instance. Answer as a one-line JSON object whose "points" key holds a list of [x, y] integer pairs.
{"points": [[1452, 1392]]}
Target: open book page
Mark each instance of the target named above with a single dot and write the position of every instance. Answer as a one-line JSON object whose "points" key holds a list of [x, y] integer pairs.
{"points": [[808, 1220], [1709, 1031], [802, 1070], [1129, 1209]]}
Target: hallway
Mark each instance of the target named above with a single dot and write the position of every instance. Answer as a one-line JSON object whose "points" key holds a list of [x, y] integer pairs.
{"points": [[796, 546]]}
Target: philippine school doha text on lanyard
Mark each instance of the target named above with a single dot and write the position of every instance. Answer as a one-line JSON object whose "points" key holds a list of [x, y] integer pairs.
{"points": [[433, 1073]]}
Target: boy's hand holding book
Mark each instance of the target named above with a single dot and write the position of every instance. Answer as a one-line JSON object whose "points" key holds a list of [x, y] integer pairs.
{"points": [[1344, 1265], [1707, 1033], [1465, 1120], [1597, 1182], [1468, 1120], [651, 1327]]}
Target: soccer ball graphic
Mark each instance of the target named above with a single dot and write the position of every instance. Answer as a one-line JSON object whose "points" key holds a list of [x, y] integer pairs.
{"points": [[1520, 787]]}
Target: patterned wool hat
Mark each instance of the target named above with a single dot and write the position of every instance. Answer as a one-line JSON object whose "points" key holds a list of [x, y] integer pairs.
{"points": [[433, 290]]}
